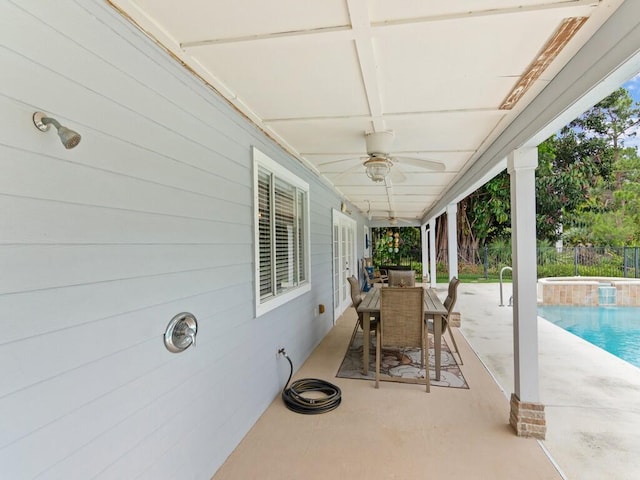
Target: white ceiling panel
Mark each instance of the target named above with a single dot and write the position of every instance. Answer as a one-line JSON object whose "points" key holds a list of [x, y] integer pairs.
{"points": [[206, 20], [443, 131], [326, 136], [454, 72], [313, 77], [318, 75]]}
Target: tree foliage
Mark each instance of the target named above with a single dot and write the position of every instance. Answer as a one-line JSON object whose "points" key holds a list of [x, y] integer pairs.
{"points": [[487, 211], [613, 119], [608, 214], [587, 183], [615, 221], [569, 163]]}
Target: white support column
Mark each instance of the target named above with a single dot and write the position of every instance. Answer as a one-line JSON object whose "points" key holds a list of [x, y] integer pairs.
{"points": [[452, 237], [527, 415], [425, 252], [432, 252]]}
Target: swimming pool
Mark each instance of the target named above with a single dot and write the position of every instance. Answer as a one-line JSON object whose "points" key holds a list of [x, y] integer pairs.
{"points": [[614, 329]]}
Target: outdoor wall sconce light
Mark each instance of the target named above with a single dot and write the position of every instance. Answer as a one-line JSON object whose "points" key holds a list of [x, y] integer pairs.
{"points": [[68, 137]]}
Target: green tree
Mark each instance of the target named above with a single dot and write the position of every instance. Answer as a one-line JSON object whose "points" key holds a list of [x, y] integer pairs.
{"points": [[482, 217], [613, 119], [569, 163], [610, 209], [489, 209], [616, 221], [585, 183]]}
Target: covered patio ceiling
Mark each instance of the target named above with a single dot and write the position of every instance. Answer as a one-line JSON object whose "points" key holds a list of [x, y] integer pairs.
{"points": [[449, 87]]}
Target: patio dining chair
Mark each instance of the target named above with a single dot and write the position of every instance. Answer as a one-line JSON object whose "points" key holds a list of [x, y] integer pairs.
{"points": [[402, 326], [402, 278], [449, 303], [372, 279], [356, 299]]}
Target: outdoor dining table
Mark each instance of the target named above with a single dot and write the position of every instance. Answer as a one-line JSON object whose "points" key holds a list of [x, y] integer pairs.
{"points": [[433, 307]]}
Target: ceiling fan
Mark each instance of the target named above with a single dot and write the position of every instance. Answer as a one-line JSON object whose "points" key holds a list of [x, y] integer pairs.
{"points": [[390, 216], [379, 160]]}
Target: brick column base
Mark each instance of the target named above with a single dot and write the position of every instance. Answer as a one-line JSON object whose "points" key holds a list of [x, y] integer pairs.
{"points": [[527, 418]]}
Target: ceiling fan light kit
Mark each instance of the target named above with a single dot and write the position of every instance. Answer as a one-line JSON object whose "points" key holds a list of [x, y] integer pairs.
{"points": [[380, 160], [378, 168]]}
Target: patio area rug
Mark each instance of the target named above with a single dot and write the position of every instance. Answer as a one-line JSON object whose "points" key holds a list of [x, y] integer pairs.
{"points": [[406, 365]]}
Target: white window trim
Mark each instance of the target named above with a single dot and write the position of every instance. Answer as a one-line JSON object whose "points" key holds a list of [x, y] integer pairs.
{"points": [[261, 159]]}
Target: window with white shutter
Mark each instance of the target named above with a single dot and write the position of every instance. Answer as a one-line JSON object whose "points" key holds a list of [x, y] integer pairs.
{"points": [[282, 254]]}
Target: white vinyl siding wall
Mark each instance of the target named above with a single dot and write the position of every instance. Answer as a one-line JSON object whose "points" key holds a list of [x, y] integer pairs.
{"points": [[100, 246]]}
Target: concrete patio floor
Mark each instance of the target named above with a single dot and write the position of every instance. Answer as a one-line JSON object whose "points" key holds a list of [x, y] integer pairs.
{"points": [[395, 432], [401, 432], [591, 398]]}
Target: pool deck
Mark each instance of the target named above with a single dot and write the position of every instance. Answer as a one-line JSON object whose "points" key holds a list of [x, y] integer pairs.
{"points": [[591, 397]]}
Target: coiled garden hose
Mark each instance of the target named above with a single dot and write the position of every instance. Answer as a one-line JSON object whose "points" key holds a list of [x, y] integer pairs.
{"points": [[295, 401]]}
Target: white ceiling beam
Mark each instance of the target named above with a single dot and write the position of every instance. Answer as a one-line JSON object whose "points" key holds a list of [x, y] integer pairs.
{"points": [[361, 24], [336, 30], [394, 115], [488, 12]]}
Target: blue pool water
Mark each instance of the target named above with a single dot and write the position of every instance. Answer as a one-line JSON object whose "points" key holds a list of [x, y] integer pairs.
{"points": [[614, 329]]}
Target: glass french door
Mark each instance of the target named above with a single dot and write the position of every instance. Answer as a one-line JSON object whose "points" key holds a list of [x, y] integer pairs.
{"points": [[344, 260]]}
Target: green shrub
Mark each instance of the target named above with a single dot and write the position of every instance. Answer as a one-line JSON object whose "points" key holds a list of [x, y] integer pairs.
{"points": [[558, 270]]}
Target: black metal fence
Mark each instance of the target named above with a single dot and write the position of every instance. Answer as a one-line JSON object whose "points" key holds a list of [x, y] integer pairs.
{"points": [[552, 262], [412, 261], [590, 261]]}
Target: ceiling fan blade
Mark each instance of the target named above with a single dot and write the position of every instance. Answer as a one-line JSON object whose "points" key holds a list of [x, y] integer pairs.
{"points": [[341, 174], [397, 176], [380, 213], [421, 163], [395, 220], [342, 160]]}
